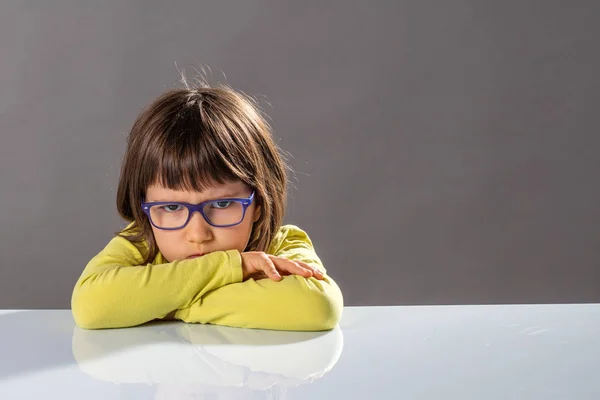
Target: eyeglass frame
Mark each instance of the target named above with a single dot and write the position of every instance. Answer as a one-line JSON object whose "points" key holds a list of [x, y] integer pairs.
{"points": [[192, 208]]}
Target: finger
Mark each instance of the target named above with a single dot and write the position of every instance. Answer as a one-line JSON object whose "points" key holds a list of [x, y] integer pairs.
{"points": [[302, 269], [299, 270], [291, 266], [269, 269], [316, 271]]}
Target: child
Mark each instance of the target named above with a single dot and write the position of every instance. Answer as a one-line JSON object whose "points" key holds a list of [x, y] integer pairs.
{"points": [[204, 188]]}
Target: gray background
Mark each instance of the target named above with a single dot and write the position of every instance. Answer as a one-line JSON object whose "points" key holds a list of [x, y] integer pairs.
{"points": [[446, 151]]}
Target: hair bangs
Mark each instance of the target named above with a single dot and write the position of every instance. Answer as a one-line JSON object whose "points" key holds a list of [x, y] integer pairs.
{"points": [[191, 157]]}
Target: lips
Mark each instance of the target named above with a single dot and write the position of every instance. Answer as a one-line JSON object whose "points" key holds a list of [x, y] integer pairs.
{"points": [[196, 255]]}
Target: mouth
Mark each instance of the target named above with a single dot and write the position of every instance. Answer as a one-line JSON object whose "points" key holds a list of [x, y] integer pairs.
{"points": [[196, 255]]}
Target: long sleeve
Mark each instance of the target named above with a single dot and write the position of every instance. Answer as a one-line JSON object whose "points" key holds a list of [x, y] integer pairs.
{"points": [[294, 303], [115, 291]]}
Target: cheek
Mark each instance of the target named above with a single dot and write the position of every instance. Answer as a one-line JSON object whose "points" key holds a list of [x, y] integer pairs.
{"points": [[164, 241], [157, 235], [252, 214], [236, 238], [247, 231]]}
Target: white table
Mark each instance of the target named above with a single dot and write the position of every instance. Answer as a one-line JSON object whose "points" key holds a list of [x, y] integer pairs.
{"points": [[436, 352]]}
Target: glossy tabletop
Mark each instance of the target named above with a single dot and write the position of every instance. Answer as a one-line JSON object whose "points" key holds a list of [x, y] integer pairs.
{"points": [[429, 352]]}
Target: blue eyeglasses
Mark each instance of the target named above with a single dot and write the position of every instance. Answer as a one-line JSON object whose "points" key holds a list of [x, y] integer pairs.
{"points": [[221, 213]]}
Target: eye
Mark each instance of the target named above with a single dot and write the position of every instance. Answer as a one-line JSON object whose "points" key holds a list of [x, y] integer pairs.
{"points": [[219, 205], [172, 207]]}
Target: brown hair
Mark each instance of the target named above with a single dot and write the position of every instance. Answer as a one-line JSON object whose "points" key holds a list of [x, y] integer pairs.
{"points": [[192, 139]]}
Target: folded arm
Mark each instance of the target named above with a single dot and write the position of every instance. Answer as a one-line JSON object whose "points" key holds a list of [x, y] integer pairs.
{"points": [[115, 291], [294, 303]]}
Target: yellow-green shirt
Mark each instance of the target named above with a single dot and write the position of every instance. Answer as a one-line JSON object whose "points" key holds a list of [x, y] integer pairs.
{"points": [[116, 291]]}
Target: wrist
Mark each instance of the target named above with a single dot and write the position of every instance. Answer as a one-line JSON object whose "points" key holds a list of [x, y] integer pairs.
{"points": [[237, 273]]}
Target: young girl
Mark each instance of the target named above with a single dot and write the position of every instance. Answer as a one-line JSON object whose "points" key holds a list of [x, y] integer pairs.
{"points": [[204, 189]]}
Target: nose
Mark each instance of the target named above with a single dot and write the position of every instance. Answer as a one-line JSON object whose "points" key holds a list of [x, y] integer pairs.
{"points": [[197, 229]]}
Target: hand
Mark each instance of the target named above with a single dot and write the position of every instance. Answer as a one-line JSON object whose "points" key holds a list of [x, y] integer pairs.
{"points": [[258, 264]]}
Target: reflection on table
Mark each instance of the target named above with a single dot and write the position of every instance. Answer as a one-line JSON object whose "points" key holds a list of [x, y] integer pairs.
{"points": [[191, 359]]}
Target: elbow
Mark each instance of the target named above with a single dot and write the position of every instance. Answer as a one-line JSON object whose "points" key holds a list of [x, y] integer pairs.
{"points": [[85, 322], [326, 309], [86, 313], [83, 318]]}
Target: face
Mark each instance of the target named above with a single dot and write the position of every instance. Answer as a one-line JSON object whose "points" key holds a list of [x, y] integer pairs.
{"points": [[198, 237]]}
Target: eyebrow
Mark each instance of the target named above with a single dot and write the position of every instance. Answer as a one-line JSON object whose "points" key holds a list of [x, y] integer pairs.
{"points": [[227, 195]]}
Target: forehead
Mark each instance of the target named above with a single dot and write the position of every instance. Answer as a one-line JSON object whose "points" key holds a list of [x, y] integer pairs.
{"points": [[157, 192]]}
